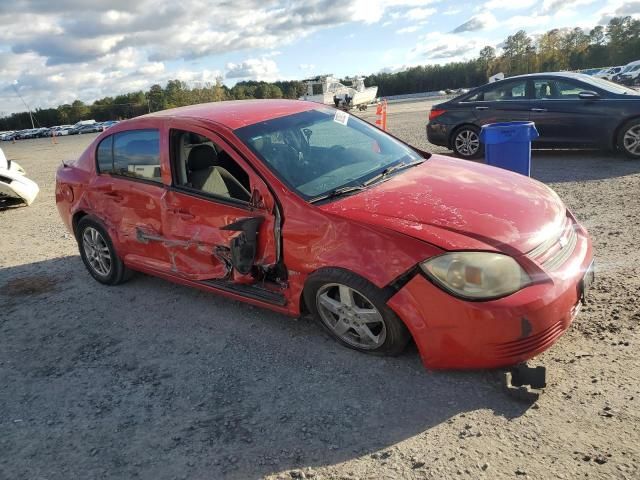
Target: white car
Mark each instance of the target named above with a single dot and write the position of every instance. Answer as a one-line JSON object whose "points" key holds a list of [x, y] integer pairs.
{"points": [[630, 74], [61, 130], [14, 184], [608, 73]]}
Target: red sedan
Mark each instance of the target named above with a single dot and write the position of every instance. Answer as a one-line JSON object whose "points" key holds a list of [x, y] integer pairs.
{"points": [[297, 207]]}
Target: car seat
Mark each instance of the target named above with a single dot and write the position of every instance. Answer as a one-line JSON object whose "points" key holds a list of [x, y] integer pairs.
{"points": [[205, 175]]}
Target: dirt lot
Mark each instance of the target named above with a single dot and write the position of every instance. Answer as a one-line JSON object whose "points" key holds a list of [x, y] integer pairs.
{"points": [[155, 380]]}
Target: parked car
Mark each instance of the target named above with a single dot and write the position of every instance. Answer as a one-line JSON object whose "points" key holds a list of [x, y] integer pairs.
{"points": [[26, 134], [15, 187], [60, 130], [630, 75], [569, 110], [608, 73], [298, 207], [7, 137], [90, 128], [109, 124]]}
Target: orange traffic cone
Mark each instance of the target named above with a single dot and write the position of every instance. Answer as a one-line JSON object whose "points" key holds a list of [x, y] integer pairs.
{"points": [[381, 114]]}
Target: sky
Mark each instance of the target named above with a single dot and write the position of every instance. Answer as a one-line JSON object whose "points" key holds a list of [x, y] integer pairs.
{"points": [[57, 51]]}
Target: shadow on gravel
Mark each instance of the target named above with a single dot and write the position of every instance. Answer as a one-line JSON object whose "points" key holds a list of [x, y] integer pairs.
{"points": [[154, 380], [550, 166]]}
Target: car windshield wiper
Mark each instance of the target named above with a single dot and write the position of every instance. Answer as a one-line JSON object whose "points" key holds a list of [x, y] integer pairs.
{"points": [[337, 192], [389, 170]]}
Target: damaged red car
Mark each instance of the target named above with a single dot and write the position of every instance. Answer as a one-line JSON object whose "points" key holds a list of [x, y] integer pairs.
{"points": [[298, 207]]}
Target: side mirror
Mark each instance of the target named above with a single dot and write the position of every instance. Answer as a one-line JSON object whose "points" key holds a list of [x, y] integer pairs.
{"points": [[588, 95]]}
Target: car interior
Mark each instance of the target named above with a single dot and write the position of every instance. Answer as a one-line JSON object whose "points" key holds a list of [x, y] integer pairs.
{"points": [[204, 166]]}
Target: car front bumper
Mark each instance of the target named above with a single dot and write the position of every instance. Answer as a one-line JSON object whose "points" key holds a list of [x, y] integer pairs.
{"points": [[456, 334]]}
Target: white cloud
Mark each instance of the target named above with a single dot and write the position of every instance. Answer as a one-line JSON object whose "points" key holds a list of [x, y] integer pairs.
{"points": [[253, 69], [617, 8], [63, 49], [502, 5], [404, 30], [419, 13], [306, 66], [555, 6], [436, 46], [477, 22], [527, 21]]}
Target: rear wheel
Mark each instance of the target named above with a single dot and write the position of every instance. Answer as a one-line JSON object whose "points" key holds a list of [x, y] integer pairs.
{"points": [[466, 142], [354, 312], [98, 254], [629, 139]]}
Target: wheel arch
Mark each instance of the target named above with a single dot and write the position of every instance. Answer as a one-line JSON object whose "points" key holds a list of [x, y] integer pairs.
{"points": [[616, 132], [75, 220], [387, 291], [455, 131]]}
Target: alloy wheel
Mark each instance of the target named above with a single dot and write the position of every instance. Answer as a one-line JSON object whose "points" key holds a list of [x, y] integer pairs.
{"points": [[351, 316], [96, 251], [467, 142], [631, 140]]}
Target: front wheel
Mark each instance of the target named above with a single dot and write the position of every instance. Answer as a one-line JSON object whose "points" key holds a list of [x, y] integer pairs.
{"points": [[629, 139], [354, 312], [466, 142]]}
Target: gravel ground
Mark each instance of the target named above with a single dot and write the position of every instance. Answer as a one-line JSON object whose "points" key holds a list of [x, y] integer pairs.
{"points": [[156, 380]]}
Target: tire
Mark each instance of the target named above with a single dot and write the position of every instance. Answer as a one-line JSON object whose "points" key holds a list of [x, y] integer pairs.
{"points": [[95, 244], [325, 294], [465, 142], [628, 141]]}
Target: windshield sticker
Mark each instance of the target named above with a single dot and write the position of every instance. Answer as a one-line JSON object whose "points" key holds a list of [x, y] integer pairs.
{"points": [[341, 117]]}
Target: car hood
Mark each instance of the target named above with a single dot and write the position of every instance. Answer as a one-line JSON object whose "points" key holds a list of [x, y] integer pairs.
{"points": [[456, 204]]}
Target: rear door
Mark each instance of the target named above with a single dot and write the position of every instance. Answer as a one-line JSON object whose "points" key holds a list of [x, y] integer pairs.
{"points": [[219, 221], [506, 101], [128, 193]]}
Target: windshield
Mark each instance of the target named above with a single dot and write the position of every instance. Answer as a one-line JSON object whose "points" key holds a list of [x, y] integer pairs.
{"points": [[608, 86], [318, 151]]}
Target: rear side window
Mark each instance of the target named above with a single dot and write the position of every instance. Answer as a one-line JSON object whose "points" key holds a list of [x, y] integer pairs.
{"points": [[509, 91], [135, 153], [104, 155]]}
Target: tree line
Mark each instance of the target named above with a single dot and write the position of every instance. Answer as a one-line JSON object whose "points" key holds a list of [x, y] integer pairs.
{"points": [[617, 43]]}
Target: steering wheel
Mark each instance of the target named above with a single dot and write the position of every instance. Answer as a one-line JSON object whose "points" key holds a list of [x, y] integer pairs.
{"points": [[286, 160]]}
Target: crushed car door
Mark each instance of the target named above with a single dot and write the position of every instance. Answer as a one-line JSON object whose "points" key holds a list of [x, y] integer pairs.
{"points": [[218, 220]]}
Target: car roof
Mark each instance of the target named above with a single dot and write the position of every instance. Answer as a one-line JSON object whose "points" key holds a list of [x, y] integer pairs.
{"points": [[237, 113], [575, 75]]}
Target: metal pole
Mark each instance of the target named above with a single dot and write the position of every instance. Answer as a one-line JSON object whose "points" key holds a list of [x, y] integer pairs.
{"points": [[25, 104]]}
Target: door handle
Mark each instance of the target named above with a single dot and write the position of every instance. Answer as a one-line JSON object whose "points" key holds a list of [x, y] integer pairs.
{"points": [[538, 109], [183, 214], [482, 108]]}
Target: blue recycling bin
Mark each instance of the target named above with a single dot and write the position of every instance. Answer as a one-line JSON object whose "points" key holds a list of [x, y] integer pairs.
{"points": [[508, 145]]}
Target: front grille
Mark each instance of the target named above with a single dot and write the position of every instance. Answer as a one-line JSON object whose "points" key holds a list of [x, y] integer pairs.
{"points": [[536, 342], [554, 252]]}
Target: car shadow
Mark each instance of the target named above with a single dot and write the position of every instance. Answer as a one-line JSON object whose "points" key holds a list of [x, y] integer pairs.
{"points": [[152, 378], [557, 166]]}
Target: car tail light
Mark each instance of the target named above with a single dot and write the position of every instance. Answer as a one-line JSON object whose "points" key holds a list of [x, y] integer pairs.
{"points": [[435, 112]]}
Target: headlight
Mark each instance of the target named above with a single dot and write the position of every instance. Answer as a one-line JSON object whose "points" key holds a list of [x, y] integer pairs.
{"points": [[476, 275]]}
